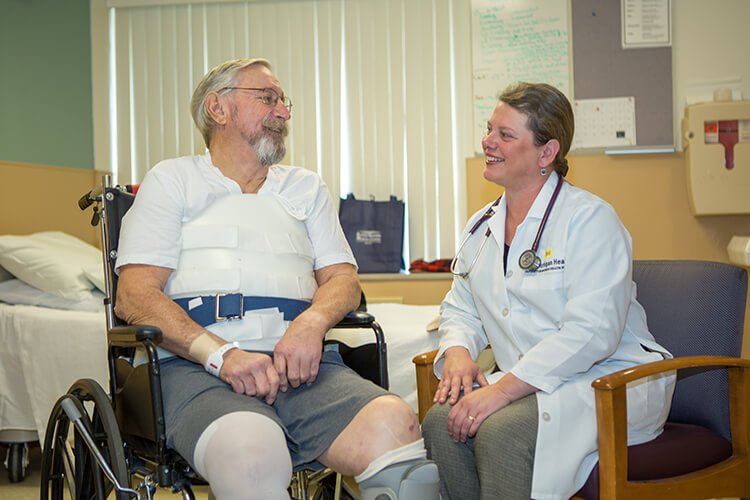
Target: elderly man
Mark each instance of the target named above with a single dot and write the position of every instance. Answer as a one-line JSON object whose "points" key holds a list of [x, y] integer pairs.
{"points": [[247, 401]]}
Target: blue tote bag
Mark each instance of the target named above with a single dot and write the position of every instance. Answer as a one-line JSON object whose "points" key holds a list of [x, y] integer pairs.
{"points": [[375, 231]]}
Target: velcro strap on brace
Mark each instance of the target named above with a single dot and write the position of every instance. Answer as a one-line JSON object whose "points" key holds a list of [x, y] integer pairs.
{"points": [[209, 309]]}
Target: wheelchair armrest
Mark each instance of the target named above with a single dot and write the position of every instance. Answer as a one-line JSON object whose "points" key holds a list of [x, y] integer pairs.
{"points": [[355, 319], [611, 415], [133, 335]]}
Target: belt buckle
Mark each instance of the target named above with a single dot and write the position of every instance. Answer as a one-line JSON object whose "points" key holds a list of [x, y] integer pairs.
{"points": [[229, 317]]}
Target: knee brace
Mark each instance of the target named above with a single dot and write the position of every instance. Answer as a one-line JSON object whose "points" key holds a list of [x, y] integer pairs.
{"points": [[244, 455], [401, 474]]}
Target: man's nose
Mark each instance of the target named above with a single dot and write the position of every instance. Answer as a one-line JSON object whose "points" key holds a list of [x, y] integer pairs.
{"points": [[282, 111]]}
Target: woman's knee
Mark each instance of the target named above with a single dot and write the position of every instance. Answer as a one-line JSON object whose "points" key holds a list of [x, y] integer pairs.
{"points": [[435, 423]]}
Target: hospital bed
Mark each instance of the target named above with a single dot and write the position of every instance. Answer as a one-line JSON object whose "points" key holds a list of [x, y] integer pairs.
{"points": [[43, 350]]}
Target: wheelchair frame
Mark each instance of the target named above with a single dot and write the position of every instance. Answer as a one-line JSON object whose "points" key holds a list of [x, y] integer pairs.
{"points": [[96, 443]]}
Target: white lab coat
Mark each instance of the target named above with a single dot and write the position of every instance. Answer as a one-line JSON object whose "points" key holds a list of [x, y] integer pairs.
{"points": [[559, 328]]}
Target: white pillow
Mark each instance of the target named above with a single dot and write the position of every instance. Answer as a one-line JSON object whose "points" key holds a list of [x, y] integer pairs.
{"points": [[95, 274], [16, 291], [5, 275], [51, 261]]}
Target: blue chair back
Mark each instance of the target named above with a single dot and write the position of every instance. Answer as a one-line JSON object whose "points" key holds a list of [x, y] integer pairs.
{"points": [[695, 308]]}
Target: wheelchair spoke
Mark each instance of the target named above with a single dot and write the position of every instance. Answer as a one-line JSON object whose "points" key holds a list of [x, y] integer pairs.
{"points": [[68, 463]]}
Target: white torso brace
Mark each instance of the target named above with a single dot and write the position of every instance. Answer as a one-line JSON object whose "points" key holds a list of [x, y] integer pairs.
{"points": [[249, 244]]}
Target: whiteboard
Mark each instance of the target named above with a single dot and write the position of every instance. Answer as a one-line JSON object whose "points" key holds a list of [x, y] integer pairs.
{"points": [[517, 40]]}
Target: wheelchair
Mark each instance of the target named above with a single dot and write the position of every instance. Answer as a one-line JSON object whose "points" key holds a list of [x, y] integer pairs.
{"points": [[113, 445]]}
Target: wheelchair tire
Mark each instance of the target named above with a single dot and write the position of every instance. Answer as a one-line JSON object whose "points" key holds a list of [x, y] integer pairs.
{"points": [[17, 462], [67, 463]]}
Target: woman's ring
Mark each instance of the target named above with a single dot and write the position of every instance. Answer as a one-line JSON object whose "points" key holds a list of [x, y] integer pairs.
{"points": [[471, 417]]}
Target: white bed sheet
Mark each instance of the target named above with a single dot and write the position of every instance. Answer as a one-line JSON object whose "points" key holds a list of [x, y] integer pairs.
{"points": [[404, 328], [43, 351]]}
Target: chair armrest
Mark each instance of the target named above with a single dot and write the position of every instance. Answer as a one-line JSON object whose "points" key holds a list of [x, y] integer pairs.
{"points": [[621, 378], [133, 335], [611, 418], [427, 383]]}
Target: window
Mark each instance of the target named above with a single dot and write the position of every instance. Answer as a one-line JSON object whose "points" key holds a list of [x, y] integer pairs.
{"points": [[381, 92]]}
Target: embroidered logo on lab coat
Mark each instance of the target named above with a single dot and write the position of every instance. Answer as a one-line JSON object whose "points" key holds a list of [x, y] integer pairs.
{"points": [[548, 253], [551, 265]]}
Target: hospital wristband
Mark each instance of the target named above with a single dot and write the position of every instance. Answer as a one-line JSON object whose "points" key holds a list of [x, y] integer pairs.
{"points": [[216, 359]]}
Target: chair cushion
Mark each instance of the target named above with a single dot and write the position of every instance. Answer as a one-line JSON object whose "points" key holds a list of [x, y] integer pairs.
{"points": [[680, 449]]}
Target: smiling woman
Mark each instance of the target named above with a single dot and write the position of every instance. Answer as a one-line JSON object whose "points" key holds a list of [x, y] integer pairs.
{"points": [[533, 288]]}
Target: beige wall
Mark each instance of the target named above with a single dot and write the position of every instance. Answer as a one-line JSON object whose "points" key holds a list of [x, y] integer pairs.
{"points": [[419, 289], [43, 198], [650, 195]]}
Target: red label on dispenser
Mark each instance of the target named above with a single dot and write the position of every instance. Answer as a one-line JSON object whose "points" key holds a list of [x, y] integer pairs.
{"points": [[710, 132]]}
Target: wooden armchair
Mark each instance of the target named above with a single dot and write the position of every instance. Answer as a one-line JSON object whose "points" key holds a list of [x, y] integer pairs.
{"points": [[696, 310]]}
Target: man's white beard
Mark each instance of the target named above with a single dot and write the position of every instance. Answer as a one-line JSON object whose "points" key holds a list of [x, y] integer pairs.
{"points": [[268, 151]]}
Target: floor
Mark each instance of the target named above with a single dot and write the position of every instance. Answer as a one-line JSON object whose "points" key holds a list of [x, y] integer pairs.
{"points": [[28, 489]]}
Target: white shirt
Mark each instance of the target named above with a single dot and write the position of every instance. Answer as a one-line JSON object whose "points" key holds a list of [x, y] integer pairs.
{"points": [[176, 190]]}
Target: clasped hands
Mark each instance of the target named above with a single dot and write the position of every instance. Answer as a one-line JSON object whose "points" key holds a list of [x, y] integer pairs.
{"points": [[296, 361]]}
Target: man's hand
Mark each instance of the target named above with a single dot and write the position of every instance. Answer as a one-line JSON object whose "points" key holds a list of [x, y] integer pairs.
{"points": [[250, 373], [297, 355], [460, 372]]}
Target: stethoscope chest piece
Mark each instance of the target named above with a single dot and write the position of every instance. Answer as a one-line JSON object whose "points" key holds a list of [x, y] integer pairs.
{"points": [[529, 261]]}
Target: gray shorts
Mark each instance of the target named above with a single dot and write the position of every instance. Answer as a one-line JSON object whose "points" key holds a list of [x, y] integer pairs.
{"points": [[311, 416]]}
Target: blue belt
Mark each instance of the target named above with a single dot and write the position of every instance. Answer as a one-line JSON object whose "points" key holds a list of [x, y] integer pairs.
{"points": [[223, 307]]}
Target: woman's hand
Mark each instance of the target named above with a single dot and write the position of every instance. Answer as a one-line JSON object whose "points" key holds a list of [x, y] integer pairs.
{"points": [[460, 373], [467, 415]]}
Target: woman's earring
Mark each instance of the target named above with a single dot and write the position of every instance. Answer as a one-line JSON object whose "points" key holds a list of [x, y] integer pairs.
{"points": [[543, 171]]}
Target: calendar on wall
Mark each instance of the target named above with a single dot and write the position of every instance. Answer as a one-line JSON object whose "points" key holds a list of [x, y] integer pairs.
{"points": [[603, 123]]}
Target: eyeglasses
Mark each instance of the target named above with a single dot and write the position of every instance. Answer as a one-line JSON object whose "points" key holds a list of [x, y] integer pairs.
{"points": [[269, 96]]}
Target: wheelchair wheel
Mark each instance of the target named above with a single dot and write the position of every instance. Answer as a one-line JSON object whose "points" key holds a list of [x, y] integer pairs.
{"points": [[67, 463]]}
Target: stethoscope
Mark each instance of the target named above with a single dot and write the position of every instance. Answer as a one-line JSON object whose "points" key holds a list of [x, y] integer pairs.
{"points": [[529, 260]]}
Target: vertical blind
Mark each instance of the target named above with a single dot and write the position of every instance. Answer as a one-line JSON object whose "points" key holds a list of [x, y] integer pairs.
{"points": [[381, 92]]}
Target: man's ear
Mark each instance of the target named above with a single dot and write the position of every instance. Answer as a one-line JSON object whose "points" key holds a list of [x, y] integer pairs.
{"points": [[216, 108], [549, 153]]}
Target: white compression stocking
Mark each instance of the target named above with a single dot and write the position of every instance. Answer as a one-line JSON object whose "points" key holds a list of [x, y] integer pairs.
{"points": [[411, 451], [244, 455]]}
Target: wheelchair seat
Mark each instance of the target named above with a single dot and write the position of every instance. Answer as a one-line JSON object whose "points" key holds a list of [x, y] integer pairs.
{"points": [[100, 443]]}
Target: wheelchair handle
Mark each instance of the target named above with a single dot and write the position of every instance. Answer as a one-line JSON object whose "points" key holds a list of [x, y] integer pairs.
{"points": [[71, 410], [89, 198]]}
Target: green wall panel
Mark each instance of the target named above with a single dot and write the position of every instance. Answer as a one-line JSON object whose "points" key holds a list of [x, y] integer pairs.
{"points": [[45, 82]]}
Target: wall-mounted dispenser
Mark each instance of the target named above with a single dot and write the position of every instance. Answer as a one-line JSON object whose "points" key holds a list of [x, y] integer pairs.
{"points": [[717, 153], [739, 250]]}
